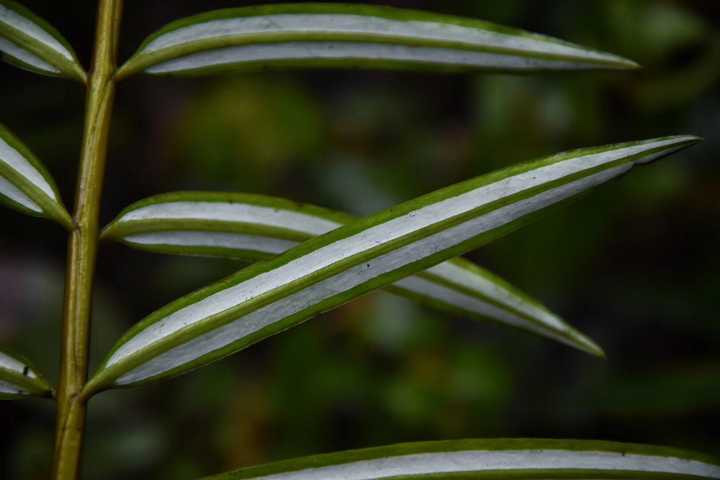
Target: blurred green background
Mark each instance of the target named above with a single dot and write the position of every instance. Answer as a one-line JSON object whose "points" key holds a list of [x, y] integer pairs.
{"points": [[635, 264]]}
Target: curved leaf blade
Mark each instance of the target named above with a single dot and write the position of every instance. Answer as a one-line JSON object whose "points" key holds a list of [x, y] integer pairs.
{"points": [[325, 272], [231, 225], [493, 459], [19, 380], [254, 227], [343, 35], [31, 43], [25, 184]]}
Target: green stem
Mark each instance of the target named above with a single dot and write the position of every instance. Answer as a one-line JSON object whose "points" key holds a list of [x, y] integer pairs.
{"points": [[82, 247]]}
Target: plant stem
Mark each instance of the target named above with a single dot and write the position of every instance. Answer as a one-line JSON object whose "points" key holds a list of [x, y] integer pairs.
{"points": [[82, 247]]}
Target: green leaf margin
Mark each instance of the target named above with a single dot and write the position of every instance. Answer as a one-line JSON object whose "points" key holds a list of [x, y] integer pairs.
{"points": [[69, 69], [118, 229], [38, 387], [140, 61], [50, 208], [338, 458], [107, 374]]}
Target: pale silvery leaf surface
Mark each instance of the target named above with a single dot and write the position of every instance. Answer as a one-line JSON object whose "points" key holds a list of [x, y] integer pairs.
{"points": [[25, 184], [345, 35], [499, 459], [19, 380], [327, 271], [254, 227], [31, 43]]}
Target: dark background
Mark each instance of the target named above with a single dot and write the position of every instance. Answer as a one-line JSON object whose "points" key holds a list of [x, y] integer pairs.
{"points": [[635, 264]]}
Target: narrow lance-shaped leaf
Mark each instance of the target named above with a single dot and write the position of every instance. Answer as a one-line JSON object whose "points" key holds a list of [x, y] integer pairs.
{"points": [[19, 380], [25, 184], [493, 459], [325, 272], [31, 43], [253, 227], [341, 35]]}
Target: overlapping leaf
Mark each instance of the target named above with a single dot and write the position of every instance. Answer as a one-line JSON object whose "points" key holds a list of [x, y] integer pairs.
{"points": [[341, 35], [322, 273], [493, 459], [19, 380], [252, 227], [25, 184], [31, 43]]}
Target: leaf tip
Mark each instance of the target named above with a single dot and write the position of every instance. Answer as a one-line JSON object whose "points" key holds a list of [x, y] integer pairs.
{"points": [[687, 141], [627, 64], [617, 62], [587, 345], [670, 145], [691, 139], [598, 352]]}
